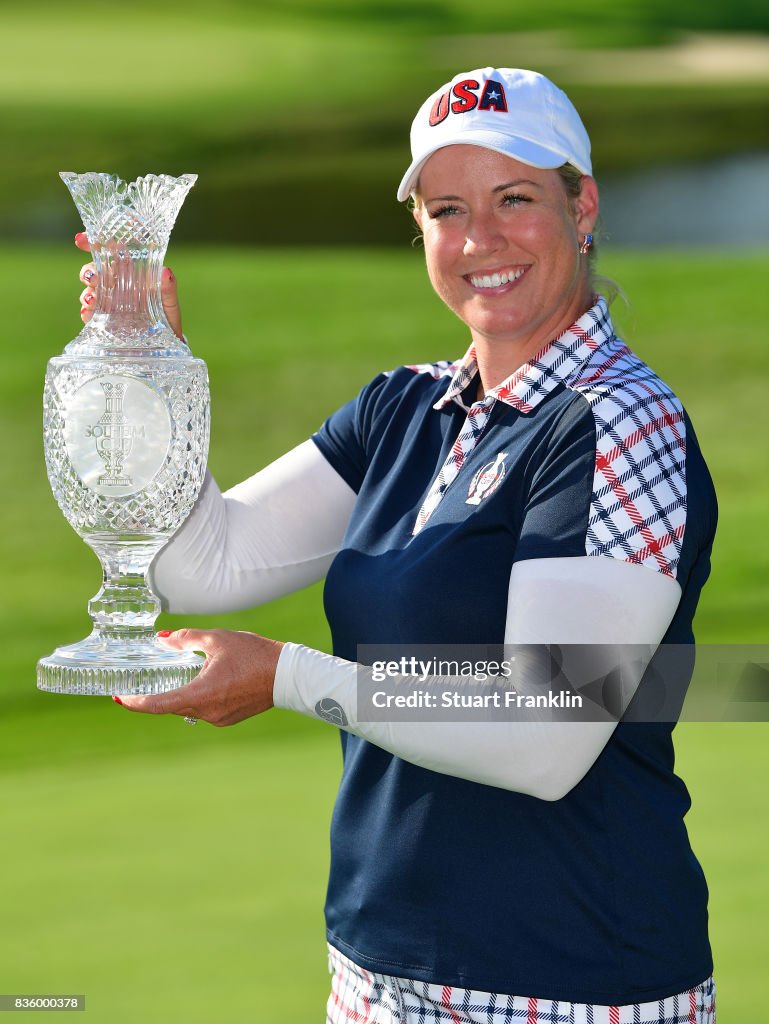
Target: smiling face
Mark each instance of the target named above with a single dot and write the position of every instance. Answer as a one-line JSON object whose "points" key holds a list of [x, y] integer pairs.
{"points": [[501, 242]]}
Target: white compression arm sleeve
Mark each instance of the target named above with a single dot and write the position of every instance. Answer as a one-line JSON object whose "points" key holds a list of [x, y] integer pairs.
{"points": [[561, 600], [278, 532], [268, 536]]}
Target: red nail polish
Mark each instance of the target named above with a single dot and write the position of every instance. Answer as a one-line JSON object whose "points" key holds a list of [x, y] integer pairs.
{"points": [[164, 632], [117, 700]]}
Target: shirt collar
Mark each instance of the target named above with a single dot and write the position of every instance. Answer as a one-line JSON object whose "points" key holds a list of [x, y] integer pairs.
{"points": [[552, 365]]}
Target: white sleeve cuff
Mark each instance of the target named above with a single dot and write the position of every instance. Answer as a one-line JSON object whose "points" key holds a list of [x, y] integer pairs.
{"points": [[309, 681]]}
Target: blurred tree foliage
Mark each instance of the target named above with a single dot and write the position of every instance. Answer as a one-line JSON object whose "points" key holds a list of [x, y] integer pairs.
{"points": [[591, 23], [295, 113]]}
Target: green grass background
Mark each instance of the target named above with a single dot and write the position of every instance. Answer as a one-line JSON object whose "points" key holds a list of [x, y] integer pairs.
{"points": [[177, 874]]}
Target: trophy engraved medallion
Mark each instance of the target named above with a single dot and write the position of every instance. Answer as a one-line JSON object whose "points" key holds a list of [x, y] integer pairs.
{"points": [[126, 426], [113, 436]]}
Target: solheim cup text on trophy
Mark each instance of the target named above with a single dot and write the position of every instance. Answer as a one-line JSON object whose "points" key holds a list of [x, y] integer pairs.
{"points": [[126, 425]]}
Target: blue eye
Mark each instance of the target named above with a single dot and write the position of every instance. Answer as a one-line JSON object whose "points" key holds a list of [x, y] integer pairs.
{"points": [[444, 211], [514, 198]]}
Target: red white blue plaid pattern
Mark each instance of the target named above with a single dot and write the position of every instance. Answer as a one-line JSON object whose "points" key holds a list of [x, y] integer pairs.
{"points": [[362, 997], [443, 368], [473, 427], [638, 505], [523, 390]]}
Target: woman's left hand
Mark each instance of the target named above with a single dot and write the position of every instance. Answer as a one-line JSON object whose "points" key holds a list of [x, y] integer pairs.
{"points": [[236, 681]]}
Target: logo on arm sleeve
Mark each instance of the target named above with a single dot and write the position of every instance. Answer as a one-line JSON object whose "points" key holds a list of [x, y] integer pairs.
{"points": [[332, 712]]}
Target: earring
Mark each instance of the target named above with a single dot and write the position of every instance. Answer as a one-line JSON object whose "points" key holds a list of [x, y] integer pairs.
{"points": [[585, 247]]}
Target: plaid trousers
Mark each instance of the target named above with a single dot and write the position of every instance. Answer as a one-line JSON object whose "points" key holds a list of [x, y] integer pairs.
{"points": [[362, 997]]}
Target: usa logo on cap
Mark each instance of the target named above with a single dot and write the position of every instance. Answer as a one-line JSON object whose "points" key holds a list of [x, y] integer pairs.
{"points": [[465, 99], [519, 113]]}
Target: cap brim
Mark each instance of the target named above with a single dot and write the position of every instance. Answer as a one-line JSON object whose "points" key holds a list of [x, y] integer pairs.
{"points": [[519, 149]]}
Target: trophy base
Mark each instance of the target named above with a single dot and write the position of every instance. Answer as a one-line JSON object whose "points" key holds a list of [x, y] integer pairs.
{"points": [[98, 666]]}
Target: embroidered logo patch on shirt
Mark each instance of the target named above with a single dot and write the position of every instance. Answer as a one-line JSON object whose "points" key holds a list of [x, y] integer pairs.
{"points": [[486, 480]]}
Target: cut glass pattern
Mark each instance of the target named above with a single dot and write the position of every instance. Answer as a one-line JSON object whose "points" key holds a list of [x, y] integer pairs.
{"points": [[126, 428]]}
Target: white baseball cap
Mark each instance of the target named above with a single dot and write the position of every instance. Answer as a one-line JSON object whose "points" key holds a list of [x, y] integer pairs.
{"points": [[515, 112]]}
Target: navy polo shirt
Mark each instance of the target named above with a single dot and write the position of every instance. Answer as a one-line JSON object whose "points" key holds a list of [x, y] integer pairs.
{"points": [[594, 898]]}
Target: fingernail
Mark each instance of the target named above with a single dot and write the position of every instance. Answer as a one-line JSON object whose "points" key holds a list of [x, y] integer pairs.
{"points": [[85, 309], [164, 632], [168, 274], [89, 275], [88, 299], [79, 235], [117, 700]]}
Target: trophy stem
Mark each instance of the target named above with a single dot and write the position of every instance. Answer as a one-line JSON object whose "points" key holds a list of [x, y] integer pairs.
{"points": [[125, 607], [122, 654]]}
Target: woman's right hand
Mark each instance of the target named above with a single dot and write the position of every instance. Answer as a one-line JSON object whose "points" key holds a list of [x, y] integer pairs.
{"points": [[89, 277]]}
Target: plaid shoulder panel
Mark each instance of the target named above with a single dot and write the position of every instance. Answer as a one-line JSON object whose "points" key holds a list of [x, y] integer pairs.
{"points": [[443, 368], [638, 505]]}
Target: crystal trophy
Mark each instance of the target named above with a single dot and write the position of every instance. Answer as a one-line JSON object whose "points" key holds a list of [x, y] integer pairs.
{"points": [[126, 425]]}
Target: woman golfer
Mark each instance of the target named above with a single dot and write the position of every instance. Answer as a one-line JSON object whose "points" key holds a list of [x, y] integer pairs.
{"points": [[546, 487]]}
